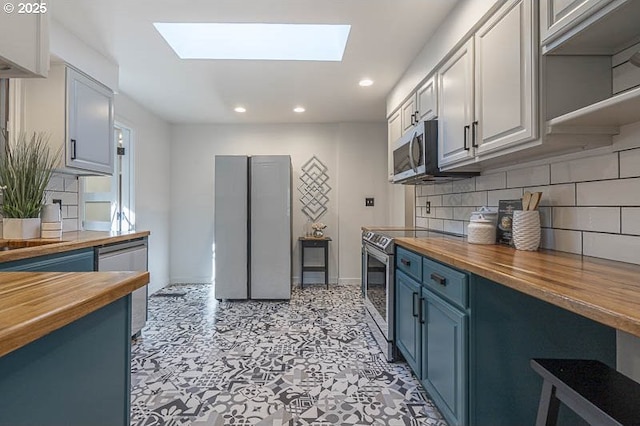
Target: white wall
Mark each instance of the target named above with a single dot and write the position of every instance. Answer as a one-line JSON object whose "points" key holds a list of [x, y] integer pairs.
{"points": [[348, 150], [151, 142]]}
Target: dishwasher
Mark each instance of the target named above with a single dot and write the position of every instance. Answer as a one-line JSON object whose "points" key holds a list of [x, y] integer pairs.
{"points": [[127, 256]]}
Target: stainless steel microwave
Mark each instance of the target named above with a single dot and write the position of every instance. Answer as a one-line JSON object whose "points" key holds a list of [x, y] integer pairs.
{"points": [[415, 156]]}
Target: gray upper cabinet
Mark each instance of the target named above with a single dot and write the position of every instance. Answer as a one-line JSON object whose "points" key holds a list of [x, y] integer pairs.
{"points": [[488, 89], [77, 112], [408, 112], [506, 110], [427, 100], [394, 131], [24, 40]]}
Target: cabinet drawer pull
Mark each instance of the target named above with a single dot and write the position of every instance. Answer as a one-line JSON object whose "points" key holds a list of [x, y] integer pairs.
{"points": [[466, 137], [414, 304], [421, 315], [438, 278], [405, 262], [474, 134], [73, 149]]}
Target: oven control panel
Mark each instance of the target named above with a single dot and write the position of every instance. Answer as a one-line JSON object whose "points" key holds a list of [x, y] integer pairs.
{"points": [[378, 240]]}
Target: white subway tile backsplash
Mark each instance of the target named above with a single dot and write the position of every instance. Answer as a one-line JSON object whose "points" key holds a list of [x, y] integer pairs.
{"points": [[421, 201], [435, 200], [465, 185], [463, 213], [425, 190], [56, 183], [422, 222], [586, 169], [598, 219], [491, 181], [545, 217], [71, 184], [561, 240], [444, 212], [436, 224], [72, 212], [452, 200], [493, 197], [443, 188], [630, 163], [69, 225], [474, 198], [625, 248], [530, 176], [556, 195], [454, 226], [618, 192], [631, 220]]}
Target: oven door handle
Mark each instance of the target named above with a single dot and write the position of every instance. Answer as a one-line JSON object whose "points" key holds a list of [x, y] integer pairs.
{"points": [[414, 304]]}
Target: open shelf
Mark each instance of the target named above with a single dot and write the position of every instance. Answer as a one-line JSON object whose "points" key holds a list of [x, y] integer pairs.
{"points": [[604, 117]]}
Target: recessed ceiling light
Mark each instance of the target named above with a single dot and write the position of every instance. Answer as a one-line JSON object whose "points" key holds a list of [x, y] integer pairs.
{"points": [[299, 109], [365, 82], [293, 42], [240, 109]]}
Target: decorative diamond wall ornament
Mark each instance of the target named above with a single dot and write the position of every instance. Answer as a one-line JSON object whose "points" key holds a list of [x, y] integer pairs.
{"points": [[314, 188]]}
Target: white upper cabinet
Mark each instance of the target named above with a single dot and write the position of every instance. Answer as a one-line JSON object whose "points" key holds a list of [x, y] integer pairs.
{"points": [[505, 79], [408, 113], [488, 89], [394, 131], [77, 112], [24, 40], [559, 16], [455, 83], [427, 100]]}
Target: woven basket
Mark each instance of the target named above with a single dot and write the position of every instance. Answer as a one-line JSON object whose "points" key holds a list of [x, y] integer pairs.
{"points": [[526, 229]]}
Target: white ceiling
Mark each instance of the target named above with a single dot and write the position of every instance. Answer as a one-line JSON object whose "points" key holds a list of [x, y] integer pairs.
{"points": [[385, 37]]}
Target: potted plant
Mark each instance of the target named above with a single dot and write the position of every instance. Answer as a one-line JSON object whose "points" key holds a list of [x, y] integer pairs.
{"points": [[25, 170]]}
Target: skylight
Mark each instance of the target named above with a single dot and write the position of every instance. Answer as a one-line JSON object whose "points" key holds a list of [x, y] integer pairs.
{"points": [[280, 42]]}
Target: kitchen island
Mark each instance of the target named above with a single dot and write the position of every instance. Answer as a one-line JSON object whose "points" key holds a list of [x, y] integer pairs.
{"points": [[483, 311], [65, 347], [65, 335]]}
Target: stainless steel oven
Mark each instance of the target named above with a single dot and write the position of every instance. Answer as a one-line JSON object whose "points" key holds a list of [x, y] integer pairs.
{"points": [[379, 287]]}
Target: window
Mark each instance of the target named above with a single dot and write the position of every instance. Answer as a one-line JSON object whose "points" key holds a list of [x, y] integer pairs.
{"points": [[107, 201]]}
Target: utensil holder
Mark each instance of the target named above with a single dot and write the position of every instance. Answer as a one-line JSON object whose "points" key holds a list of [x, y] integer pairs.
{"points": [[526, 229]]}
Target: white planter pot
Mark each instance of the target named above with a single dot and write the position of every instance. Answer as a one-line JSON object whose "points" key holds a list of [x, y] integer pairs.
{"points": [[20, 229]]}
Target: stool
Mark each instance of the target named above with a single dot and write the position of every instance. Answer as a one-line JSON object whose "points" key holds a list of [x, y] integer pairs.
{"points": [[313, 242], [596, 392]]}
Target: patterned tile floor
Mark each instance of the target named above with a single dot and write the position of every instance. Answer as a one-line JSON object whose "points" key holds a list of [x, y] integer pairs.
{"points": [[307, 361]]}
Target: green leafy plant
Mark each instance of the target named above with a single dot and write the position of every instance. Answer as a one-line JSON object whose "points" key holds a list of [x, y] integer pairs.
{"points": [[25, 171]]}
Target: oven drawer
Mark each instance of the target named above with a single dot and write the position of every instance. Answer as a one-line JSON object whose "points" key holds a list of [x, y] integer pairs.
{"points": [[410, 263], [445, 281]]}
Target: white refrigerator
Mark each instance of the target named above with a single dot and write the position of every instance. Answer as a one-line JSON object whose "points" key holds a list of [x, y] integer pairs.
{"points": [[252, 227]]}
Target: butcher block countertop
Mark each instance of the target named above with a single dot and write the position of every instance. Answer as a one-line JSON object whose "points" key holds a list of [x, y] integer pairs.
{"points": [[33, 304], [24, 249], [605, 291]]}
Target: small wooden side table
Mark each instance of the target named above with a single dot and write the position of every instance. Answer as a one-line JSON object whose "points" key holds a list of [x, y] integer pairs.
{"points": [[312, 242]]}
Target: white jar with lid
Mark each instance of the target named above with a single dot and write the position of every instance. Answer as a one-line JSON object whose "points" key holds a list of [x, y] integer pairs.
{"points": [[481, 230]]}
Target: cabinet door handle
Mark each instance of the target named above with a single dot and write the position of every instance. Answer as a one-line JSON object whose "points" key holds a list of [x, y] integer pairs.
{"points": [[413, 120], [474, 134], [417, 117], [438, 278], [405, 262], [73, 149], [421, 315], [413, 302], [466, 136]]}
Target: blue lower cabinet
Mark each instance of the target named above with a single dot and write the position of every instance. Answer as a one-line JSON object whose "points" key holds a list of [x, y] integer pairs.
{"points": [[444, 356], [408, 327], [70, 261]]}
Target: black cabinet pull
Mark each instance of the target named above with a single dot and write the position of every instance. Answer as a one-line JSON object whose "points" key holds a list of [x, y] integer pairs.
{"points": [[413, 120], [474, 134], [413, 302], [438, 278], [466, 136], [405, 262], [73, 149], [417, 117], [421, 316]]}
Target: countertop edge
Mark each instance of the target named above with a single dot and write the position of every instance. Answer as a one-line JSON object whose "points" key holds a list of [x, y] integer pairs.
{"points": [[70, 243], [19, 335], [586, 308]]}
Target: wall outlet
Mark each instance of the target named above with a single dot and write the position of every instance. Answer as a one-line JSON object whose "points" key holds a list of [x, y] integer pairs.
{"points": [[368, 202], [58, 202]]}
